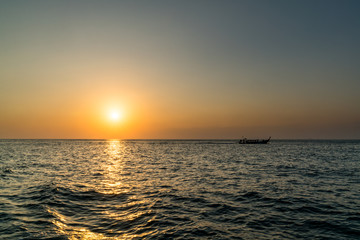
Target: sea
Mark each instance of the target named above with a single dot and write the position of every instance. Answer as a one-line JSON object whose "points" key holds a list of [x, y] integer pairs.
{"points": [[179, 189]]}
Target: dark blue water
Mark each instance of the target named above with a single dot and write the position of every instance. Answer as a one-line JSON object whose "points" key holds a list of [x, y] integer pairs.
{"points": [[83, 189]]}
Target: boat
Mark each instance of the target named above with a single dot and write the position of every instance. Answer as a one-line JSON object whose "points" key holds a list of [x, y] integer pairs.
{"points": [[254, 141]]}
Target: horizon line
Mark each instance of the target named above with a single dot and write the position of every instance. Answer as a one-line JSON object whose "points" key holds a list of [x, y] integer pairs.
{"points": [[176, 139]]}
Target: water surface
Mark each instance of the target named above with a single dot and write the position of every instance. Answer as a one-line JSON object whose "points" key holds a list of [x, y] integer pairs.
{"points": [[110, 189]]}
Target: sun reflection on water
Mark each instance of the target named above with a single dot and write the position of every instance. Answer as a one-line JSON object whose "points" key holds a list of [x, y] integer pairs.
{"points": [[109, 191], [113, 169], [73, 233], [114, 147]]}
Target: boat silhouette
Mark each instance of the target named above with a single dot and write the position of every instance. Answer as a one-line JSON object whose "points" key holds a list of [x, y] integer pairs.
{"points": [[254, 141]]}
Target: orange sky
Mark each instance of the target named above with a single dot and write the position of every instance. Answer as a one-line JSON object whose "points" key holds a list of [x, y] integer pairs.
{"points": [[181, 70]]}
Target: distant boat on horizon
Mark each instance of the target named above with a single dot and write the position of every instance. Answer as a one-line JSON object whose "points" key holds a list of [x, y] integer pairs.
{"points": [[254, 141]]}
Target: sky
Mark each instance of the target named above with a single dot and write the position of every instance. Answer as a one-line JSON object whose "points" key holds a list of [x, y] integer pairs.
{"points": [[180, 69]]}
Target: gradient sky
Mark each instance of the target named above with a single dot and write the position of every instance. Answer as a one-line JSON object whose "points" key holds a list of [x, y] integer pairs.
{"points": [[180, 69]]}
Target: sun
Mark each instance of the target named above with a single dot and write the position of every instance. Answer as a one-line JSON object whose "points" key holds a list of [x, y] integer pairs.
{"points": [[115, 115]]}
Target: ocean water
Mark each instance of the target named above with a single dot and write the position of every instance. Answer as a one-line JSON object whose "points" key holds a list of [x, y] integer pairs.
{"points": [[110, 189]]}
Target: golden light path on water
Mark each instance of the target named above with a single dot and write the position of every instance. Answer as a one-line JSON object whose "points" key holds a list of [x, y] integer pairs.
{"points": [[115, 182]]}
